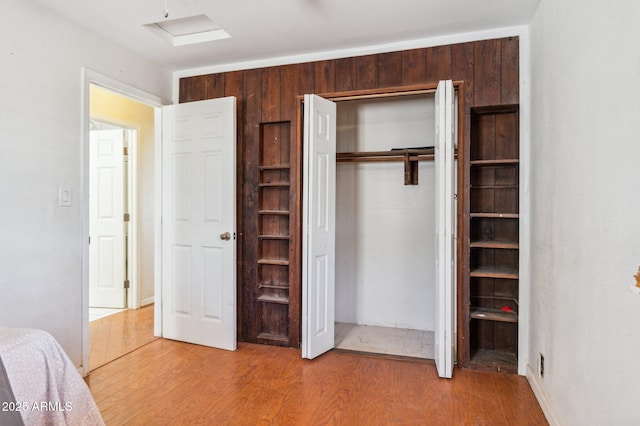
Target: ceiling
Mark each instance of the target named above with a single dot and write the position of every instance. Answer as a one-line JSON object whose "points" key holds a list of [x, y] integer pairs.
{"points": [[263, 29]]}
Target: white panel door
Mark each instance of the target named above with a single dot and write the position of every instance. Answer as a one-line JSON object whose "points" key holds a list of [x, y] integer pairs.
{"points": [[445, 218], [199, 223], [318, 224], [106, 219]]}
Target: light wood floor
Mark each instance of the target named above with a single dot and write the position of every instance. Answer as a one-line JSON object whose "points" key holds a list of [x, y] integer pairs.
{"points": [[168, 382], [118, 334]]}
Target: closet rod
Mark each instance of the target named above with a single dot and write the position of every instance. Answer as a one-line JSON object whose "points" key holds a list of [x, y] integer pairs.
{"points": [[410, 158], [363, 159], [396, 155], [393, 155]]}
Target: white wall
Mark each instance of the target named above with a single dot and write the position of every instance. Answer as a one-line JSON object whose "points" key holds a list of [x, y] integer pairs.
{"points": [[41, 60], [385, 231], [585, 162]]}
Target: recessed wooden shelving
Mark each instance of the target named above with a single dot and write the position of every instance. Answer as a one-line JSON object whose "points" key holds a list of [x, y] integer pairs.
{"points": [[493, 275], [273, 273]]}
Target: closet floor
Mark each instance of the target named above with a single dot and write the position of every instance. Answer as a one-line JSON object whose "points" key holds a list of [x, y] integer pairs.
{"points": [[384, 340]]}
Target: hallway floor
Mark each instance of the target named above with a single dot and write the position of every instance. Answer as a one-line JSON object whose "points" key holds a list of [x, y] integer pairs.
{"points": [[117, 334]]}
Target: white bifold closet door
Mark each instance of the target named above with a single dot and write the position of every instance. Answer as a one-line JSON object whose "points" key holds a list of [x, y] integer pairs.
{"points": [[318, 256], [319, 226], [445, 219]]}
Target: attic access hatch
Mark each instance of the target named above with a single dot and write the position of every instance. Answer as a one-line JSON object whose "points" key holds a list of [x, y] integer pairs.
{"points": [[188, 30]]}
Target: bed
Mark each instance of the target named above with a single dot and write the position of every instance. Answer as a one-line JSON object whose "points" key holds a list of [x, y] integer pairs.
{"points": [[39, 385]]}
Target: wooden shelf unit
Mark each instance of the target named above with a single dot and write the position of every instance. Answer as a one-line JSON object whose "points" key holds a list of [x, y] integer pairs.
{"points": [[274, 231], [492, 274]]}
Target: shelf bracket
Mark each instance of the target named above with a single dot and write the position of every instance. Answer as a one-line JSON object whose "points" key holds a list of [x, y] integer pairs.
{"points": [[410, 170]]}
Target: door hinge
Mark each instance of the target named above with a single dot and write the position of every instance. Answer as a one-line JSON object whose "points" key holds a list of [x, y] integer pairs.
{"points": [[127, 217], [127, 283], [125, 150]]}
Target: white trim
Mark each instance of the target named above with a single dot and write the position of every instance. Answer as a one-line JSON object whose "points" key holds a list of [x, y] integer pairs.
{"points": [[122, 88], [524, 267], [87, 78], [147, 301], [345, 53], [133, 259], [157, 223], [538, 391]]}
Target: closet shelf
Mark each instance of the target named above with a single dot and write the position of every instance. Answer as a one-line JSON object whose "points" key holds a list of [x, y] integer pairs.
{"points": [[274, 286], [496, 162], [490, 314], [273, 299], [492, 244], [505, 298], [488, 272], [273, 337], [273, 184], [274, 212], [496, 360], [496, 215], [280, 262], [275, 167], [495, 186], [273, 237]]}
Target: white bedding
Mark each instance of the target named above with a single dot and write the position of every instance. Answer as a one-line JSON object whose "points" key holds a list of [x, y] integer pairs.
{"points": [[48, 388]]}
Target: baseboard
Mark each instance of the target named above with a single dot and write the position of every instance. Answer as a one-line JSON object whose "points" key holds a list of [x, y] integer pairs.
{"points": [[541, 397], [147, 301]]}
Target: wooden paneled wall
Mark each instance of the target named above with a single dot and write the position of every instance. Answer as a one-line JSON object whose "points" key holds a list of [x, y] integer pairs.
{"points": [[489, 70]]}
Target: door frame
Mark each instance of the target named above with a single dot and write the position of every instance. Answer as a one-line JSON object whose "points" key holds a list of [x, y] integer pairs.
{"points": [[458, 87], [90, 77]]}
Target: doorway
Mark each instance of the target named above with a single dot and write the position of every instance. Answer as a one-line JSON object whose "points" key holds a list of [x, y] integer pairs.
{"points": [[319, 215], [385, 229], [121, 200]]}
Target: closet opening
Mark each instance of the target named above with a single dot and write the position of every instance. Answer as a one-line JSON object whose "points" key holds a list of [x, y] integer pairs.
{"points": [[385, 226], [380, 213]]}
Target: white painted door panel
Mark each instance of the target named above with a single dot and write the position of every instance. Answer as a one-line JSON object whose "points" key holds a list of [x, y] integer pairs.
{"points": [[445, 218], [106, 219], [198, 210], [318, 242]]}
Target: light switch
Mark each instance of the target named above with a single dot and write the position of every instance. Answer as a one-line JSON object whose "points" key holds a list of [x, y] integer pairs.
{"points": [[64, 196]]}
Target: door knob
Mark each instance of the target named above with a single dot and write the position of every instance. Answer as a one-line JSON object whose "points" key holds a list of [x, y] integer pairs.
{"points": [[226, 236]]}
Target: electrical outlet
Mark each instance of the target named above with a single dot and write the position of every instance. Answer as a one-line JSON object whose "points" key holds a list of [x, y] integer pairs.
{"points": [[541, 366]]}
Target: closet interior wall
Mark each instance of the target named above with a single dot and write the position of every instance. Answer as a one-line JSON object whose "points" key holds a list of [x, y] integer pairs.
{"points": [[267, 99], [385, 229]]}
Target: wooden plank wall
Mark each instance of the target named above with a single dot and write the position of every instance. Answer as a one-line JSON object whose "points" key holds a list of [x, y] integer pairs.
{"points": [[489, 70]]}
